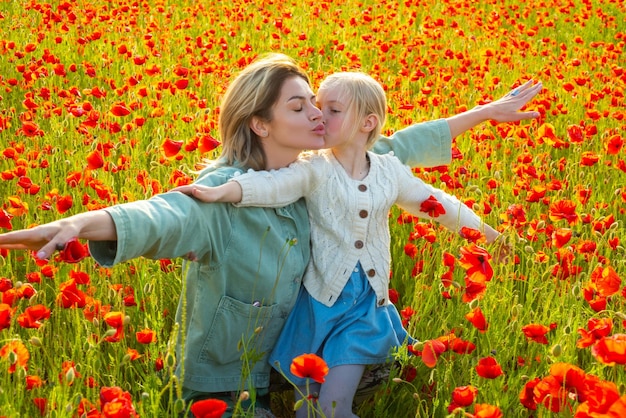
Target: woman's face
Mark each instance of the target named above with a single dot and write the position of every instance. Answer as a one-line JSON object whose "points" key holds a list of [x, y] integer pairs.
{"points": [[296, 124]]}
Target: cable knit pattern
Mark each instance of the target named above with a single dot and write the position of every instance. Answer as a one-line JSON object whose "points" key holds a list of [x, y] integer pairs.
{"points": [[349, 218]]}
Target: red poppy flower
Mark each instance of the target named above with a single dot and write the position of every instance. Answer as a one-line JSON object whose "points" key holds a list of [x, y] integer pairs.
{"points": [[30, 129], [20, 352], [70, 296], [432, 207], [610, 350], [116, 403], [475, 260], [5, 219], [487, 411], [464, 395], [596, 328], [606, 281], [32, 316], [526, 396], [564, 209], [561, 236], [182, 83], [477, 318], [536, 332], [410, 249], [209, 408], [64, 203], [33, 382], [41, 404], [309, 366], [171, 147], [94, 160], [461, 346], [207, 143], [74, 251], [431, 352], [6, 313], [614, 144], [115, 320], [472, 235], [145, 336], [488, 368], [120, 109]]}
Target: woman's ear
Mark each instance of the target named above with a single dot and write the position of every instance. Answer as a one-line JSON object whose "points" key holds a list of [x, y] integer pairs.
{"points": [[259, 127], [369, 123]]}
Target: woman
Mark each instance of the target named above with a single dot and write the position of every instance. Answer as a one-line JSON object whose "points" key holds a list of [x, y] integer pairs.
{"points": [[245, 264]]}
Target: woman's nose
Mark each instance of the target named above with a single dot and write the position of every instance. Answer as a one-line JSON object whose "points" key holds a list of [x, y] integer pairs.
{"points": [[316, 113]]}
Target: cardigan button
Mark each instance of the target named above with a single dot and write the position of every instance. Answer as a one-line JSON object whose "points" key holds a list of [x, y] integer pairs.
{"points": [[358, 244], [371, 272], [363, 213], [362, 187], [381, 302]]}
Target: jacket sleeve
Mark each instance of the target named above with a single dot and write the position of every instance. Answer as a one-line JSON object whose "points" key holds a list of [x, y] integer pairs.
{"points": [[414, 195], [426, 144], [168, 225], [276, 188]]}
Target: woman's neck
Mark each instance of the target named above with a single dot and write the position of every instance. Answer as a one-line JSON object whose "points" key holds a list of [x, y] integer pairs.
{"points": [[276, 160]]}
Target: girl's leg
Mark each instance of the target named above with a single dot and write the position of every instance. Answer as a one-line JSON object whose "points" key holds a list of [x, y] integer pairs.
{"points": [[304, 411], [337, 392]]}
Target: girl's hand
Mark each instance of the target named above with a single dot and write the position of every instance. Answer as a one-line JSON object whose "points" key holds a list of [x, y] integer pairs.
{"points": [[503, 251], [506, 108], [202, 193]]}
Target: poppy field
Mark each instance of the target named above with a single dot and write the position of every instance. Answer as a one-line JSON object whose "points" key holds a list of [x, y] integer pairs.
{"points": [[105, 102]]}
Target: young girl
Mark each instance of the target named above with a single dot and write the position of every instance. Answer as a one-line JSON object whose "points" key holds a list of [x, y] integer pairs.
{"points": [[343, 313]]}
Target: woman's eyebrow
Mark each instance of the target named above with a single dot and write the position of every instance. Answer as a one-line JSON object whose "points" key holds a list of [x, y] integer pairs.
{"points": [[301, 98]]}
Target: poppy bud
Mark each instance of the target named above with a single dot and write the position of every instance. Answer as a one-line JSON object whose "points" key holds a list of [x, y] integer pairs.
{"points": [[170, 360], [557, 350], [70, 375]]}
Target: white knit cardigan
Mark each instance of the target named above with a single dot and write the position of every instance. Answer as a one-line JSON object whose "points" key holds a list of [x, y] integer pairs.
{"points": [[349, 218]]}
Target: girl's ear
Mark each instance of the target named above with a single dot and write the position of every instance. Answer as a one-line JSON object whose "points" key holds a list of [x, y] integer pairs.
{"points": [[259, 127], [369, 123]]}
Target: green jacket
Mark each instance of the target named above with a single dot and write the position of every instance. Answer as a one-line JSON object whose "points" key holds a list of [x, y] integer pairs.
{"points": [[247, 269]]}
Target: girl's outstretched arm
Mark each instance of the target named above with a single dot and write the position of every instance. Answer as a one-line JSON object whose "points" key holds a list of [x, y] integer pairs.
{"points": [[505, 109], [229, 192], [45, 239]]}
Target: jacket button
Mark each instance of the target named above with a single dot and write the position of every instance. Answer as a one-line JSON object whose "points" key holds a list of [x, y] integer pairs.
{"points": [[381, 302], [362, 187], [363, 214], [358, 244], [371, 272]]}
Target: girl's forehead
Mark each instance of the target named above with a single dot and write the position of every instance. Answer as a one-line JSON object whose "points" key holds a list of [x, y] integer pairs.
{"points": [[334, 94]]}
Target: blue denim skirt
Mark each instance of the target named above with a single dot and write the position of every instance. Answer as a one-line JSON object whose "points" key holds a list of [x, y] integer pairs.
{"points": [[352, 331]]}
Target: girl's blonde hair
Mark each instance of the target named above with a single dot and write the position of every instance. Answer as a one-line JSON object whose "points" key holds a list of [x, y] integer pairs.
{"points": [[252, 93], [363, 96]]}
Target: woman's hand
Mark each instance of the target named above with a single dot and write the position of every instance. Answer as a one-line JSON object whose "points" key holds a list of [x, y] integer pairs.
{"points": [[53, 236]]}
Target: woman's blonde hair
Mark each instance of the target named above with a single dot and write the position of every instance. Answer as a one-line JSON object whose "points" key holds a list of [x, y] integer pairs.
{"points": [[363, 96], [252, 93]]}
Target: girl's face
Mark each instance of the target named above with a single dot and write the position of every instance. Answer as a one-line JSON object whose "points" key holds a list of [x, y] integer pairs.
{"points": [[296, 124], [338, 119]]}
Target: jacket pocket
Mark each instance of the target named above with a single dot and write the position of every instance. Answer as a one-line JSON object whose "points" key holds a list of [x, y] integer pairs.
{"points": [[240, 328]]}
